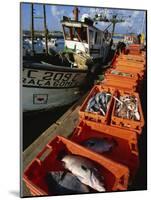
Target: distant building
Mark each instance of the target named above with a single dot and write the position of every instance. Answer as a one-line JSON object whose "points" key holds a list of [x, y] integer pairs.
{"points": [[130, 38]]}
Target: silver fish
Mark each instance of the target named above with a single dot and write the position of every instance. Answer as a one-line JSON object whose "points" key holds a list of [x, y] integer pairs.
{"points": [[97, 97], [90, 104], [99, 145], [99, 103], [84, 170]]}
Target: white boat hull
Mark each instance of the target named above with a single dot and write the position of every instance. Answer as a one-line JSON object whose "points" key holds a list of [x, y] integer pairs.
{"points": [[43, 99], [50, 88]]}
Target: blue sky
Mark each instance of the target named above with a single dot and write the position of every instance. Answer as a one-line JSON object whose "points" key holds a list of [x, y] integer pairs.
{"points": [[54, 13]]}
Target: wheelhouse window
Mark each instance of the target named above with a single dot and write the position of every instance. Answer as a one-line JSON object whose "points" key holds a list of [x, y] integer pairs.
{"points": [[76, 34], [84, 36], [67, 32]]}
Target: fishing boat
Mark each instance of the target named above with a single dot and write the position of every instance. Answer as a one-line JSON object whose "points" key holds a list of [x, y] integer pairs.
{"points": [[27, 47], [53, 79]]}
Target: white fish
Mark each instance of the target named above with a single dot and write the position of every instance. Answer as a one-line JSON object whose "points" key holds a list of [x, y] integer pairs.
{"points": [[85, 171]]}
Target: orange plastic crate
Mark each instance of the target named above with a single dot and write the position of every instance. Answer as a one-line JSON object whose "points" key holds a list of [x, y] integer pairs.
{"points": [[95, 116], [118, 84], [127, 123], [139, 66], [134, 51], [134, 46], [131, 77], [129, 69], [133, 57], [115, 175], [125, 151]]}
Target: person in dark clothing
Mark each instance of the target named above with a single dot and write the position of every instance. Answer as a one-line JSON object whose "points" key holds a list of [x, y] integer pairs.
{"points": [[139, 39], [121, 47]]}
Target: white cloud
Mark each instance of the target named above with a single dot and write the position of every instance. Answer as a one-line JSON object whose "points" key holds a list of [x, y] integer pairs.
{"points": [[126, 24], [136, 13], [57, 11], [92, 12]]}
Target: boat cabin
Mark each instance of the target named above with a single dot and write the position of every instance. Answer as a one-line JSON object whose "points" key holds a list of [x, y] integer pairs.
{"points": [[84, 37]]}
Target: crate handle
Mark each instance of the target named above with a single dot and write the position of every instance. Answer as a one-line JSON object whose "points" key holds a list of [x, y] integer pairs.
{"points": [[41, 157], [133, 147], [78, 130]]}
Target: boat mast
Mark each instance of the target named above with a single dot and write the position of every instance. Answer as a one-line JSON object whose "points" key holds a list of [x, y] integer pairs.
{"points": [[32, 28], [76, 13], [112, 20], [46, 30]]}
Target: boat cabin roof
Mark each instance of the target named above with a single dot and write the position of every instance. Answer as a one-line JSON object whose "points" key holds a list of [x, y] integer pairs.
{"points": [[79, 24]]}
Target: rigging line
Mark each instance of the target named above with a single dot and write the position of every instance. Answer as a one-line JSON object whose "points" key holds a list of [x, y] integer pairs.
{"points": [[80, 40], [107, 27]]}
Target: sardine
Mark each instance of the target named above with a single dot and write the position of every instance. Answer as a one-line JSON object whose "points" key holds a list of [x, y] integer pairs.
{"points": [[84, 170], [97, 97], [90, 104], [128, 108], [61, 183], [99, 145], [99, 103]]}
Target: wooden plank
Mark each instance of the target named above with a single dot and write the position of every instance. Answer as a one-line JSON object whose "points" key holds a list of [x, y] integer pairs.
{"points": [[37, 145]]}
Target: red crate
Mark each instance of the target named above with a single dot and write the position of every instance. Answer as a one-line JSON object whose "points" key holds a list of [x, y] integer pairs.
{"points": [[127, 123], [125, 150], [94, 116], [115, 175]]}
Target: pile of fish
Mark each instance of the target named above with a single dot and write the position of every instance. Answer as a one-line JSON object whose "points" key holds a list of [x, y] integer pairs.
{"points": [[82, 177], [99, 145], [120, 73], [127, 107], [99, 103]]}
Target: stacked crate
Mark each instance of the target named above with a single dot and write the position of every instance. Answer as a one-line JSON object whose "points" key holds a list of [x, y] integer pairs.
{"points": [[119, 166], [127, 72], [134, 49]]}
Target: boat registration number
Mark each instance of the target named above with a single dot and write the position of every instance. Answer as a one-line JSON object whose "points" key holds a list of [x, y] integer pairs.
{"points": [[50, 79]]}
